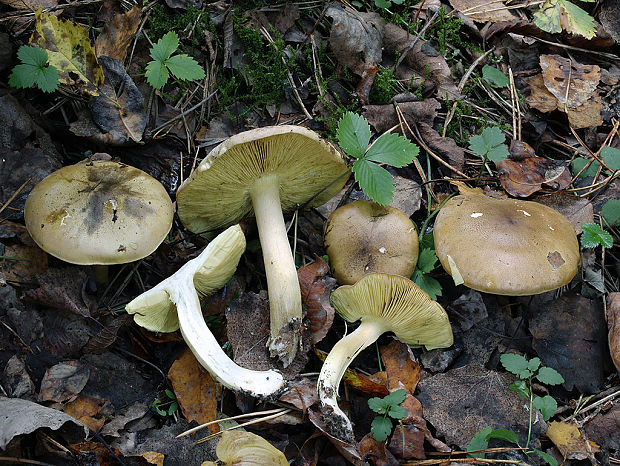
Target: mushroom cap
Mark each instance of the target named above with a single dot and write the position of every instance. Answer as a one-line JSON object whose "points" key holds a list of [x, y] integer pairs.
{"points": [[98, 212], [399, 305], [505, 246], [364, 237], [217, 194]]}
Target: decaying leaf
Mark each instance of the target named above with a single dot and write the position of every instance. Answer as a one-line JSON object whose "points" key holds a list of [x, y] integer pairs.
{"points": [[555, 15], [483, 10], [300, 393], [401, 367], [195, 389], [568, 439], [316, 287], [105, 337], [347, 450], [408, 438], [570, 82], [64, 381], [577, 210], [375, 452], [23, 262], [384, 117], [117, 34], [61, 289], [124, 417], [31, 5], [88, 410], [613, 323], [446, 148], [540, 98], [69, 50]]}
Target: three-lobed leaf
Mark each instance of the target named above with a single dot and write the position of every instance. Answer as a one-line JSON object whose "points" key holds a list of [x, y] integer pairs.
{"points": [[181, 66], [490, 144], [593, 235], [34, 70]]}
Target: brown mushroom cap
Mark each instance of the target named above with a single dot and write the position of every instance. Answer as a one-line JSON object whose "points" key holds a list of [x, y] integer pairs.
{"points": [[505, 246], [98, 212], [218, 192], [364, 237]]}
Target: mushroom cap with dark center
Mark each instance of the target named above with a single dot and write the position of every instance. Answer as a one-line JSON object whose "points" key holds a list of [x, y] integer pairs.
{"points": [[364, 237], [505, 246], [217, 194], [397, 304], [98, 212]]}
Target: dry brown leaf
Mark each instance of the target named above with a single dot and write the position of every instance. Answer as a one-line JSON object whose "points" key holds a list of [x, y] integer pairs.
{"points": [[384, 117], [31, 5], [22, 262], [64, 381], [484, 10], [345, 449], [195, 389], [570, 82], [577, 210], [300, 393], [446, 148], [568, 439], [402, 370], [153, 457], [88, 410], [408, 438], [586, 115], [613, 323], [316, 287], [540, 98], [375, 452], [117, 34], [61, 289]]}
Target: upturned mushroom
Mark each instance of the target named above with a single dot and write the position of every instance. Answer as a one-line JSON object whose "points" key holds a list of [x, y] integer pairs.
{"points": [[265, 171], [505, 246], [364, 237], [175, 303], [238, 448], [383, 303], [98, 212]]}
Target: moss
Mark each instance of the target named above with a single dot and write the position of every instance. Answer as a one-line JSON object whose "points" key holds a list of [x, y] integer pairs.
{"points": [[162, 20], [384, 87]]}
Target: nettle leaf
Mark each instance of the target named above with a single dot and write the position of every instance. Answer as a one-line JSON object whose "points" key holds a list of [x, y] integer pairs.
{"points": [[549, 376], [165, 47], [185, 67], [374, 180], [156, 74], [392, 149], [514, 363], [396, 397], [398, 412], [494, 76], [611, 157], [353, 134], [546, 405], [378, 405], [381, 428], [593, 235], [430, 285], [611, 212], [427, 260]]}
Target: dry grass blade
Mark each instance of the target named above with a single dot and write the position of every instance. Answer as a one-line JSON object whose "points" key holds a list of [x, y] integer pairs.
{"points": [[240, 416], [254, 421]]}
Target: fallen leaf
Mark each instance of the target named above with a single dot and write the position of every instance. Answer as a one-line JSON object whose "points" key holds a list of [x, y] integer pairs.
{"points": [[31, 5], [195, 389], [604, 428], [88, 410], [300, 393], [346, 449], [609, 16], [407, 440], [613, 323], [482, 11], [16, 380], [576, 210], [539, 97], [21, 263], [18, 417], [153, 457], [446, 148], [568, 439], [384, 117], [586, 115], [104, 455], [572, 83], [117, 34], [375, 453], [64, 381], [61, 289], [401, 367], [124, 417], [68, 48], [364, 86], [316, 287], [106, 337]]}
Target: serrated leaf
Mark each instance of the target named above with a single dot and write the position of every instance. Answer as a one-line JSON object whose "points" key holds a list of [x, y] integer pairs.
{"points": [[398, 412], [33, 70], [165, 47], [381, 428], [23, 76], [494, 76], [479, 441], [577, 21], [393, 150], [546, 405], [493, 136], [533, 364], [427, 260], [498, 153], [578, 164], [185, 67], [156, 74], [478, 145], [611, 157], [504, 434], [514, 363], [427, 241], [396, 397], [353, 134], [31, 55], [431, 286], [611, 212], [549, 376], [375, 181], [547, 17], [47, 79], [378, 405], [547, 457], [593, 235]]}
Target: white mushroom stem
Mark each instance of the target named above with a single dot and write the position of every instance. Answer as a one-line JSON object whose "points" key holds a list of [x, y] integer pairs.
{"points": [[334, 367], [282, 282]]}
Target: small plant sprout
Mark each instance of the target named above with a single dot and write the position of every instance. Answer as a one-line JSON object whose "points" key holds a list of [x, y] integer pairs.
{"points": [[34, 69], [166, 406], [387, 3], [593, 235], [489, 145], [181, 66], [388, 408], [391, 149]]}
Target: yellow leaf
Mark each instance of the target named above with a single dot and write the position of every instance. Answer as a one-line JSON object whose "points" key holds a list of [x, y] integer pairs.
{"points": [[69, 50], [567, 438], [153, 457]]}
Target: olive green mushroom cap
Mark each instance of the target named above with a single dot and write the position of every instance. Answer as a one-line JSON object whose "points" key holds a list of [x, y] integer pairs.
{"points": [[397, 304], [240, 448], [505, 246], [218, 192], [364, 237], [98, 212]]}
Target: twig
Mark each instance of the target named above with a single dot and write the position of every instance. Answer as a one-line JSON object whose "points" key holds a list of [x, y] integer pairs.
{"points": [[181, 115], [14, 195], [415, 41], [233, 418], [255, 421]]}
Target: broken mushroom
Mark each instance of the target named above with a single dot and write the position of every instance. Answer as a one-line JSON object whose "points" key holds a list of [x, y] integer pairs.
{"points": [[384, 303], [364, 237], [265, 171], [240, 448], [505, 246], [175, 303]]}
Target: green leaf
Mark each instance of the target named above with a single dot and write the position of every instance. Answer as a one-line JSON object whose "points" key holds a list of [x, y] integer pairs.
{"points": [[427, 260], [173, 407], [493, 136], [393, 150], [533, 364], [480, 441], [431, 286], [498, 153], [520, 386], [427, 241], [156, 74], [398, 412], [593, 235], [185, 67], [396, 397], [23, 76], [549, 376], [165, 47], [546, 405], [31, 55], [525, 374], [47, 79], [478, 145], [170, 394], [611, 157], [490, 144], [548, 16], [513, 362], [353, 134], [381, 428], [504, 434], [578, 164], [611, 212], [494, 76], [374, 180], [378, 405], [383, 3], [576, 20], [547, 457], [33, 70]]}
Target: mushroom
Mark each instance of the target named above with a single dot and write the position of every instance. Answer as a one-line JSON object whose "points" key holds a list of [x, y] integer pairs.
{"points": [[240, 448], [505, 246], [384, 303], [98, 212], [364, 237], [174, 303], [265, 171]]}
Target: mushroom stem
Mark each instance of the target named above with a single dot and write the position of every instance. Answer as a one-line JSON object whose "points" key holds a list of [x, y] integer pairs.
{"points": [[334, 368], [282, 282]]}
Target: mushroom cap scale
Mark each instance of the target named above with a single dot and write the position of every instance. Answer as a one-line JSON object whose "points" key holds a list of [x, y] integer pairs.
{"points": [[398, 305], [505, 246], [98, 212], [217, 194]]}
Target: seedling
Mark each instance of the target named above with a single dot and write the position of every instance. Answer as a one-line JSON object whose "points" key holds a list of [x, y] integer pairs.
{"points": [[593, 235], [169, 404], [388, 408], [388, 3], [490, 145], [34, 69], [181, 66], [427, 262], [391, 149]]}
